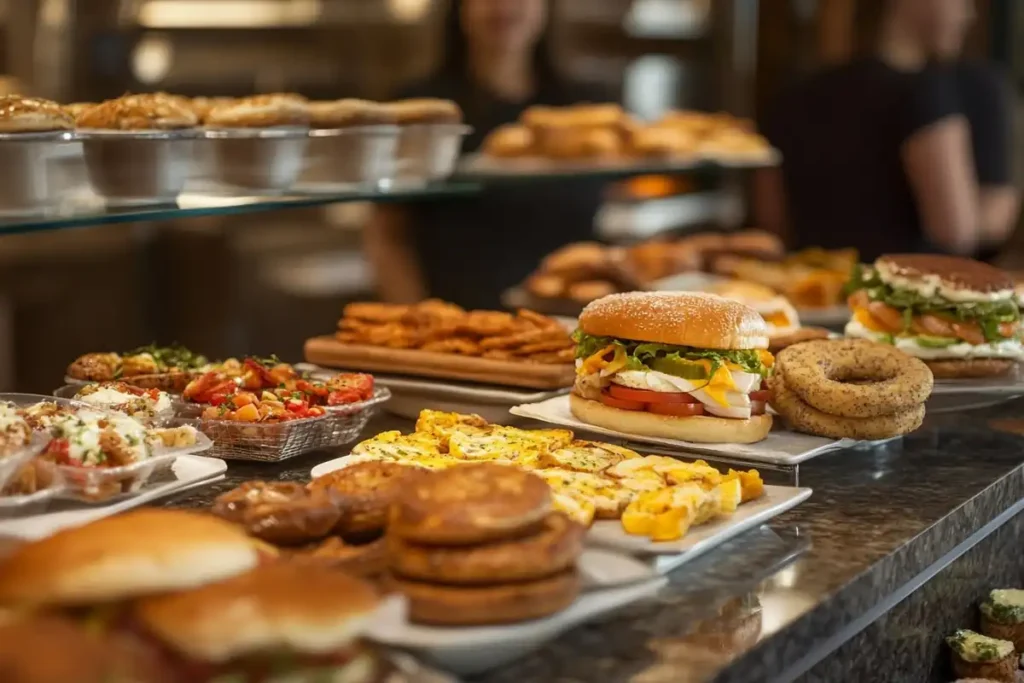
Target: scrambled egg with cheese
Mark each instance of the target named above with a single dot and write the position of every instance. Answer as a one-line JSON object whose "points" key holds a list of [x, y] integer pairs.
{"points": [[654, 495]]}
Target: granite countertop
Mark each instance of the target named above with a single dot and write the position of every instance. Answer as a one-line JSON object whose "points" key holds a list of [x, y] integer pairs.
{"points": [[757, 606]]}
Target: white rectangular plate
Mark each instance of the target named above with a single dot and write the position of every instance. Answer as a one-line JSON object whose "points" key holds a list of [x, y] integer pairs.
{"points": [[188, 470], [782, 447], [469, 650], [1010, 384], [701, 539]]}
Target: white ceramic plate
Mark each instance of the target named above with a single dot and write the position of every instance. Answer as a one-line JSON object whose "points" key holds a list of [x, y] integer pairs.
{"points": [[1009, 385], [832, 316], [701, 539], [188, 471], [469, 650], [782, 447]]}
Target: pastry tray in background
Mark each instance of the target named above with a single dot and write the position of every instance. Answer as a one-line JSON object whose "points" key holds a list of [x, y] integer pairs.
{"points": [[329, 352]]}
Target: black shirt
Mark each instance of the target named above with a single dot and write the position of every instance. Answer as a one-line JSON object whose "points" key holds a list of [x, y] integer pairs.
{"points": [[471, 249], [841, 134]]}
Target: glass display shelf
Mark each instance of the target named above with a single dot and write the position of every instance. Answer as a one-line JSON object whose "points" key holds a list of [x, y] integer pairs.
{"points": [[494, 170], [85, 210]]}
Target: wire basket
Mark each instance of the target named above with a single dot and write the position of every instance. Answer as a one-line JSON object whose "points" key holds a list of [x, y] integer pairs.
{"points": [[277, 441]]}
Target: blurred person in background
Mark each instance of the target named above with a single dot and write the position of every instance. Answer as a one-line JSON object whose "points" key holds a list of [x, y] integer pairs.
{"points": [[469, 250], [907, 148]]}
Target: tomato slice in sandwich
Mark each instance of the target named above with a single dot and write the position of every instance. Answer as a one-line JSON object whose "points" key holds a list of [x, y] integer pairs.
{"points": [[676, 409], [645, 396], [620, 403]]}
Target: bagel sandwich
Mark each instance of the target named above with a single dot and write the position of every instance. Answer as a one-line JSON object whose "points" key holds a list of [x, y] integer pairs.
{"points": [[779, 315], [677, 365], [962, 317]]}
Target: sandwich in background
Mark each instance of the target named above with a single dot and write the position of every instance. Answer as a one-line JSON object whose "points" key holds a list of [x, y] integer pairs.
{"points": [[784, 328], [960, 316]]}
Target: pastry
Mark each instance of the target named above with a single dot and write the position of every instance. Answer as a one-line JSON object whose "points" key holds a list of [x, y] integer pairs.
{"points": [[363, 560], [260, 111], [978, 656], [364, 492], [425, 111], [482, 605], [553, 549], [470, 504], [153, 111], [662, 141], [32, 115], [202, 105], [1002, 616], [509, 141], [282, 513], [75, 109], [349, 112]]}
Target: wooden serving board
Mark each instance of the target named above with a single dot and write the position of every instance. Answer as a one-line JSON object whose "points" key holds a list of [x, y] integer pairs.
{"points": [[330, 352]]}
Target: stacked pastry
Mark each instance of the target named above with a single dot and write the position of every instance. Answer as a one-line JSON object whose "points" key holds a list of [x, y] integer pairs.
{"points": [[480, 544]]}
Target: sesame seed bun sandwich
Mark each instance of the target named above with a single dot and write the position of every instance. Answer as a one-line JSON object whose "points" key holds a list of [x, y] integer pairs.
{"points": [[48, 649], [91, 574], [280, 623], [961, 317], [677, 365]]}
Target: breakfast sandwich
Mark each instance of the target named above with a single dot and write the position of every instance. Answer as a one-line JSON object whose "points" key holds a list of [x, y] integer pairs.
{"points": [[676, 365], [778, 313], [961, 317], [280, 622]]}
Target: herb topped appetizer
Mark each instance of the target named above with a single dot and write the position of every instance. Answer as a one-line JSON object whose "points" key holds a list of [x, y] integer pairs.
{"points": [[978, 656], [1002, 616]]}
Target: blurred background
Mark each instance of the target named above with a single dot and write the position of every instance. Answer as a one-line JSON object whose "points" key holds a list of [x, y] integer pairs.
{"points": [[264, 282]]}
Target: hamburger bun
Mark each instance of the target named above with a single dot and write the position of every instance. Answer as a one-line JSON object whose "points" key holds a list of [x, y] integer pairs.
{"points": [[696, 429], [137, 553], [705, 321], [949, 272], [299, 607], [48, 649]]}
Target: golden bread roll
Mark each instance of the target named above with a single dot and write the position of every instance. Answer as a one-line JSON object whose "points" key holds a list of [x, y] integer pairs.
{"points": [[260, 111], [32, 115], [509, 141], [150, 111], [349, 112]]}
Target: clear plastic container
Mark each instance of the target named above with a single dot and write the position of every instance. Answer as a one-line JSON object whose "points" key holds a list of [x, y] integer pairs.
{"points": [[102, 484], [30, 504], [277, 441], [14, 461], [156, 420], [171, 382]]}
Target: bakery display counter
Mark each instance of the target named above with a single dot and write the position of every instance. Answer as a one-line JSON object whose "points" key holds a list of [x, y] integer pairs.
{"points": [[775, 603]]}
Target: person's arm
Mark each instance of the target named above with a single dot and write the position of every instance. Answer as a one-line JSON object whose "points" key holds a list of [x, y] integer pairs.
{"points": [[770, 211], [938, 163], [388, 247], [988, 102]]}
